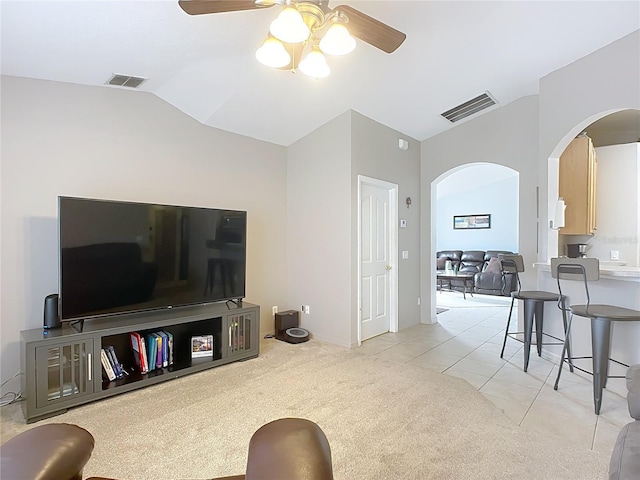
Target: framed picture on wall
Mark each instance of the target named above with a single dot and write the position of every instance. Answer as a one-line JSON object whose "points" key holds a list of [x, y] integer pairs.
{"points": [[468, 222]]}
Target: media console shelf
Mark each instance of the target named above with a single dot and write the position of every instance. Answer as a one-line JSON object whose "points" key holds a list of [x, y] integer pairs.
{"points": [[62, 367]]}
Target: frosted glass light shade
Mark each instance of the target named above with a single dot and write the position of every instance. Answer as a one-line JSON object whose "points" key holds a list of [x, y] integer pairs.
{"points": [[315, 65], [289, 26], [337, 40], [273, 54]]}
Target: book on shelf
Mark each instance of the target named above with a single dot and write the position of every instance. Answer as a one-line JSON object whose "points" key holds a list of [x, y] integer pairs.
{"points": [[111, 354], [165, 348], [106, 365], [202, 346], [136, 345], [152, 347], [143, 347], [170, 338], [158, 350]]}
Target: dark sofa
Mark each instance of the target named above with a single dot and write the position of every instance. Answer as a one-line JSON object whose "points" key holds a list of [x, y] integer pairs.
{"points": [[488, 277]]}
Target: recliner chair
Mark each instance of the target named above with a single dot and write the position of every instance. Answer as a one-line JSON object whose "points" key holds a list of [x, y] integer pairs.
{"points": [[287, 448], [57, 451]]}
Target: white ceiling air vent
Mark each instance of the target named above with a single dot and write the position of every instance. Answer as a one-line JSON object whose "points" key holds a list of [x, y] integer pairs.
{"points": [[125, 81], [470, 107]]}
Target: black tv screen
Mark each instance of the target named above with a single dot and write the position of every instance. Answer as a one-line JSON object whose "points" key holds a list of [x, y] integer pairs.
{"points": [[126, 257]]}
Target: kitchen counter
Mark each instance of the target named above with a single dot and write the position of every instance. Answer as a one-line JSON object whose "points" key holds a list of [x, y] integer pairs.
{"points": [[618, 285], [607, 270]]}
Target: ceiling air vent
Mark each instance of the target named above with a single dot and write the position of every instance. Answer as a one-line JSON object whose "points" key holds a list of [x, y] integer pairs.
{"points": [[125, 81], [470, 107]]}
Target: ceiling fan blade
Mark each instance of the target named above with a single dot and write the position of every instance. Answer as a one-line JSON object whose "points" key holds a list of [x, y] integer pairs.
{"points": [[372, 31], [199, 7]]}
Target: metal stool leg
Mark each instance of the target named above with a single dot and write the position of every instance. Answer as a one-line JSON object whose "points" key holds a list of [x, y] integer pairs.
{"points": [[600, 344], [566, 336], [538, 315], [564, 351], [506, 332], [529, 309]]}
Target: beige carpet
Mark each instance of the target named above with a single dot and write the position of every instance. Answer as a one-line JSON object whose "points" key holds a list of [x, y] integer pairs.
{"points": [[383, 421]]}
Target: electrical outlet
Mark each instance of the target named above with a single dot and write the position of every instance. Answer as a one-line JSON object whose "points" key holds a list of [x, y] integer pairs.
{"points": [[615, 255], [274, 310], [418, 300], [405, 254], [306, 309]]}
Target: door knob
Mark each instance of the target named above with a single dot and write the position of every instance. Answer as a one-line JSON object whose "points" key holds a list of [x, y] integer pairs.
{"points": [[388, 267]]}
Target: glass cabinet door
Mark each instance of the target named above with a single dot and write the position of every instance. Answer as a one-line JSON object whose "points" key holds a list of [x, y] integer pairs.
{"points": [[68, 373], [240, 333]]}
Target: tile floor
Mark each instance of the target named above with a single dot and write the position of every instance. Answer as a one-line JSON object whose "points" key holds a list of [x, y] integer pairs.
{"points": [[466, 343]]}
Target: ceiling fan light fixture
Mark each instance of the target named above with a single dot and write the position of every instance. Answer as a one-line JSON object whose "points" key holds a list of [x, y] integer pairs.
{"points": [[315, 64], [268, 3], [289, 26], [273, 54], [337, 40]]}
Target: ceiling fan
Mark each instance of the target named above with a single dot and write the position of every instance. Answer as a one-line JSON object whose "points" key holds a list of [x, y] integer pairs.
{"points": [[310, 25]]}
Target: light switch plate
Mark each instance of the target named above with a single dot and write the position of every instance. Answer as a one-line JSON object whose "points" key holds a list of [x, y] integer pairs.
{"points": [[405, 254], [403, 224]]}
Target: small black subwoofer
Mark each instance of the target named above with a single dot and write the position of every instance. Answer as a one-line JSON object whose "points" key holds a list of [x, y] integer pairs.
{"points": [[51, 317], [287, 327]]}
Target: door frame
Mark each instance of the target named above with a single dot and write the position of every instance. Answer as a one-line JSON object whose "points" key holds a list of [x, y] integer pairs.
{"points": [[392, 191]]}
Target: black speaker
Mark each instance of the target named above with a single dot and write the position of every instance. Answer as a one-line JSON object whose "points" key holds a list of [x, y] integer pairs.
{"points": [[51, 317], [287, 327]]}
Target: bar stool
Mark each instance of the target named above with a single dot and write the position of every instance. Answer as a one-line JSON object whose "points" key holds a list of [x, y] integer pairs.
{"points": [[586, 270], [533, 311]]}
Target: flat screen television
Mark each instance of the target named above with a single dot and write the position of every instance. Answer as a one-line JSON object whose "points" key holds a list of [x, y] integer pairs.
{"points": [[118, 257]]}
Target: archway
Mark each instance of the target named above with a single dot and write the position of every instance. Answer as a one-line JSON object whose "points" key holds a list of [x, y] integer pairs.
{"points": [[465, 190], [607, 129]]}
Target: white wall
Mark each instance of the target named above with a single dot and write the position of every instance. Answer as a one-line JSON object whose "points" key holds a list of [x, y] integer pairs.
{"points": [[112, 143], [506, 136], [617, 211], [497, 199]]}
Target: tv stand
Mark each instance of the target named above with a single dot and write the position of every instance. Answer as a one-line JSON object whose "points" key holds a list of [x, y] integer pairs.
{"points": [[62, 367]]}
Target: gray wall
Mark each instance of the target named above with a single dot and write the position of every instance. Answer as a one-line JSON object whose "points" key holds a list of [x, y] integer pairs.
{"points": [[506, 136], [571, 99], [322, 182], [318, 234], [375, 154], [65, 139]]}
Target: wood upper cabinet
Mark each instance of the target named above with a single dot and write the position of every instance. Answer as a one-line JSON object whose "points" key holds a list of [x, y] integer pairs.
{"points": [[577, 186]]}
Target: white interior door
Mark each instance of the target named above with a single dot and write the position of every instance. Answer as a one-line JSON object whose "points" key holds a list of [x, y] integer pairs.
{"points": [[375, 261]]}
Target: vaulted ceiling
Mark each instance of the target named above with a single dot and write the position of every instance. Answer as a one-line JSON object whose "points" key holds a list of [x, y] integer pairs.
{"points": [[205, 66]]}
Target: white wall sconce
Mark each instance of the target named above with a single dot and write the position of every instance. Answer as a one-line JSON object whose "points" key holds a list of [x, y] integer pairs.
{"points": [[558, 219]]}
